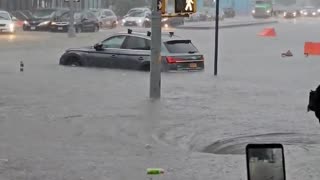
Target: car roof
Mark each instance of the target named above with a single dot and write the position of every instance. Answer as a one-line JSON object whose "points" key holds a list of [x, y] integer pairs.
{"points": [[140, 8], [165, 36]]}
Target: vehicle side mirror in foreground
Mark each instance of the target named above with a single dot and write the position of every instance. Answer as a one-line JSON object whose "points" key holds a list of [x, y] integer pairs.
{"points": [[265, 161], [98, 46]]}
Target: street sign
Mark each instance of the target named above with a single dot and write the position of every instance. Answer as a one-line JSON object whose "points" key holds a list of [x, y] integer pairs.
{"points": [[185, 6], [161, 6]]}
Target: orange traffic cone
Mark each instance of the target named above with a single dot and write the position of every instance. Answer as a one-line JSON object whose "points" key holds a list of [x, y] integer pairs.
{"points": [[311, 48], [287, 54], [268, 32]]}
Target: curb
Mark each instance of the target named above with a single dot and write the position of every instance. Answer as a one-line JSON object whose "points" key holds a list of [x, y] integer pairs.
{"points": [[227, 26]]}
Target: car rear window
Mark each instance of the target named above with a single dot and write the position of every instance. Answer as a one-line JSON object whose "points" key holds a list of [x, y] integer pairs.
{"points": [[180, 46]]}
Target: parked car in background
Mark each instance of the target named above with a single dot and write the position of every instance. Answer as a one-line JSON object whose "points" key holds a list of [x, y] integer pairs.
{"points": [[84, 21], [137, 18], [41, 19], [309, 11], [6, 22], [132, 51], [290, 13], [229, 12], [107, 18], [141, 9]]}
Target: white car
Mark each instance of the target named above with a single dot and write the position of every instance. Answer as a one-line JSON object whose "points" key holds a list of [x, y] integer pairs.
{"points": [[137, 18], [6, 22]]}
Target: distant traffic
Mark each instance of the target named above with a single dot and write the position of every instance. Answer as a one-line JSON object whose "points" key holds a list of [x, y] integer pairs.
{"points": [[267, 9], [93, 20]]}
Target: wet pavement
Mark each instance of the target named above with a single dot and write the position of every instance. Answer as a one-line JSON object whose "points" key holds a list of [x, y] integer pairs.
{"points": [[90, 123]]}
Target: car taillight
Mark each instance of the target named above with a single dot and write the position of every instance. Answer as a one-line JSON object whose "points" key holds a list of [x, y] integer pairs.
{"points": [[172, 60]]}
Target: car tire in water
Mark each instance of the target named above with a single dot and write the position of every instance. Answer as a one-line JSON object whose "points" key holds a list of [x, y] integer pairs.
{"points": [[145, 67], [73, 61]]}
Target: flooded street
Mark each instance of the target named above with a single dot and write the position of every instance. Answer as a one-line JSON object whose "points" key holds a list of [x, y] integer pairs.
{"points": [[74, 123]]}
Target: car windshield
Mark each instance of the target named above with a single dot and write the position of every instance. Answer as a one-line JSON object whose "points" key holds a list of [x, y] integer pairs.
{"points": [[137, 9], [96, 13], [66, 16], [43, 13], [28, 14], [19, 15], [262, 2], [137, 14], [4, 16]]}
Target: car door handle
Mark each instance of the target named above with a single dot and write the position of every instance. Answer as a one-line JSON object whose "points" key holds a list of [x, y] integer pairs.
{"points": [[140, 58]]}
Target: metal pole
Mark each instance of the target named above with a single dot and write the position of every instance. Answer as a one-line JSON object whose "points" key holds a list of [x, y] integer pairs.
{"points": [[216, 47], [155, 66], [71, 30]]}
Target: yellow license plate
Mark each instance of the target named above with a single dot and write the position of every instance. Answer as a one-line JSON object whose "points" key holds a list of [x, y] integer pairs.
{"points": [[193, 65]]}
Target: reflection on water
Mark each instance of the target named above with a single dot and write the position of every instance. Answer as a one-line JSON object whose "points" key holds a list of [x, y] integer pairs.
{"points": [[8, 37]]}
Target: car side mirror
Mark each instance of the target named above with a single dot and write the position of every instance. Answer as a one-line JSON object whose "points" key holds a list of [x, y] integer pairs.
{"points": [[14, 18], [103, 16], [84, 19], [98, 46]]}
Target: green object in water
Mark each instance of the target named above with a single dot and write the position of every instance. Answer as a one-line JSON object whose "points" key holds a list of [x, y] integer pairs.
{"points": [[155, 171]]}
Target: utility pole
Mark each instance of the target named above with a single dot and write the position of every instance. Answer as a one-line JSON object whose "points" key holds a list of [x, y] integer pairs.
{"points": [[155, 66], [71, 30], [216, 47]]}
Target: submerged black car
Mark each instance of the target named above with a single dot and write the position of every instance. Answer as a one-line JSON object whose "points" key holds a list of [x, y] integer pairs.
{"points": [[132, 51], [83, 21], [41, 19]]}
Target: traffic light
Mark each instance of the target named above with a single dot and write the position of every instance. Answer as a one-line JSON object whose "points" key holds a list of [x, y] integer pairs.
{"points": [[162, 6], [185, 6]]}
